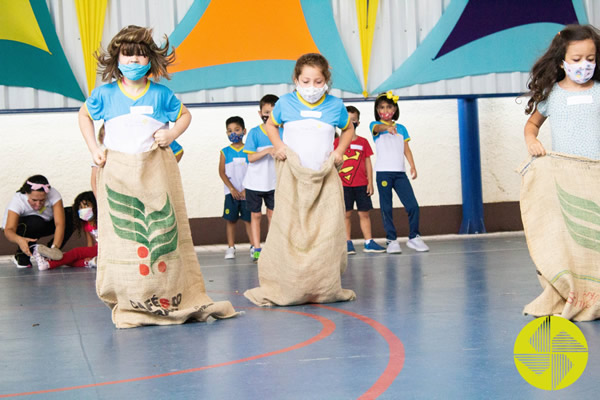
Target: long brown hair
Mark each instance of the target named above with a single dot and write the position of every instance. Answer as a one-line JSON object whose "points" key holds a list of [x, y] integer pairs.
{"points": [[135, 40], [547, 70]]}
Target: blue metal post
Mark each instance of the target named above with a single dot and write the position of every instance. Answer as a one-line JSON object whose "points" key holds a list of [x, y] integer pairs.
{"points": [[470, 166]]}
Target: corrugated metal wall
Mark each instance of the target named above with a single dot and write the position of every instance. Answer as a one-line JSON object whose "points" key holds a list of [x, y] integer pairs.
{"points": [[394, 40]]}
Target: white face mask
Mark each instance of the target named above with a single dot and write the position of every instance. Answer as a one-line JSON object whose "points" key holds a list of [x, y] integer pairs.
{"points": [[312, 94], [86, 213], [581, 72]]}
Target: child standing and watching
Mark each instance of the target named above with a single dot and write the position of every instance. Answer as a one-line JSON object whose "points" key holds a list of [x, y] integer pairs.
{"points": [[564, 87], [233, 164], [391, 141], [260, 178], [357, 178], [85, 214]]}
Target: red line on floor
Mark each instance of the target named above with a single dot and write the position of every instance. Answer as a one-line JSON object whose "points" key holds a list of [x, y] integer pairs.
{"points": [[396, 349], [328, 329]]}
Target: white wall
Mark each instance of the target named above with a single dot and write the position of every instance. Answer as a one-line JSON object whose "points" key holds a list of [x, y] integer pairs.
{"points": [[51, 144]]}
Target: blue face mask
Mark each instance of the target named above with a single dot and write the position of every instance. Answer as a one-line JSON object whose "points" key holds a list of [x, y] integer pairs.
{"points": [[235, 138], [134, 72]]}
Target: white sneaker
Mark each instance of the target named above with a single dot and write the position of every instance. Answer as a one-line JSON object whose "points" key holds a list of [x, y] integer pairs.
{"points": [[51, 253], [417, 244], [91, 263], [40, 260], [230, 253], [252, 252], [393, 247]]}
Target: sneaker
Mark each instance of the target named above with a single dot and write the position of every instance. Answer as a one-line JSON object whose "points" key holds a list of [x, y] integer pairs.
{"points": [[52, 253], [393, 247], [91, 263], [40, 260], [417, 244], [230, 253], [350, 247], [256, 254], [252, 252], [19, 265], [372, 247]]}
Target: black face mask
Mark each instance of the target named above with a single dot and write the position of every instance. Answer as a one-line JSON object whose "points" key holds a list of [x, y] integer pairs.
{"points": [[355, 125], [264, 118]]}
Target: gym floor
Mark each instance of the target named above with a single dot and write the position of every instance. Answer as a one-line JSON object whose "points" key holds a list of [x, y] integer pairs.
{"points": [[437, 325]]}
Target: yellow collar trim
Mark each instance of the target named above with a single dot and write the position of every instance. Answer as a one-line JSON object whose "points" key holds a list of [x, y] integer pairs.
{"points": [[120, 83], [307, 104]]}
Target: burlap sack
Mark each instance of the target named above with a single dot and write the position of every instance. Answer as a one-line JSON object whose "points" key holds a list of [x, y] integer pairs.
{"points": [[560, 197], [148, 272], [305, 251]]}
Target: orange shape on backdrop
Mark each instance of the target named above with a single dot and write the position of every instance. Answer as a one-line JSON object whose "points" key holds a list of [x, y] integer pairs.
{"points": [[233, 31]]}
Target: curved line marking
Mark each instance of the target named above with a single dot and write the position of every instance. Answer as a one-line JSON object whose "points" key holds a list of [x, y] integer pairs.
{"points": [[396, 349], [328, 329]]}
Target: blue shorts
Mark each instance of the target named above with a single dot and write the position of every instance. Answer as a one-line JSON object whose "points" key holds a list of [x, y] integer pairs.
{"points": [[235, 209], [255, 199], [359, 195]]}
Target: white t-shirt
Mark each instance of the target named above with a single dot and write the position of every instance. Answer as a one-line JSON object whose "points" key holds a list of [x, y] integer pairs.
{"points": [[19, 205]]}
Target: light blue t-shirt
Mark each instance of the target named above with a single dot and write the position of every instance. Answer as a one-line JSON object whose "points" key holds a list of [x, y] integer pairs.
{"points": [[261, 174], [389, 147], [574, 120], [309, 129], [236, 165], [131, 122]]}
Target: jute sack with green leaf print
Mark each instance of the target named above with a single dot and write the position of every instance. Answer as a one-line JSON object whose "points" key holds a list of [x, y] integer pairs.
{"points": [[560, 207], [148, 272], [304, 255]]}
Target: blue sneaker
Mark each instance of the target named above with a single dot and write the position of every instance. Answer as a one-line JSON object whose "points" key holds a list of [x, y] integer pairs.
{"points": [[350, 247], [372, 247]]}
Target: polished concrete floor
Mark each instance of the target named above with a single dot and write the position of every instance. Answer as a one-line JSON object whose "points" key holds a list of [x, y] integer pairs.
{"points": [[437, 325]]}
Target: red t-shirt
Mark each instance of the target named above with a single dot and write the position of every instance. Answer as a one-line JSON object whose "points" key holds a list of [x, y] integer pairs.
{"points": [[354, 172]]}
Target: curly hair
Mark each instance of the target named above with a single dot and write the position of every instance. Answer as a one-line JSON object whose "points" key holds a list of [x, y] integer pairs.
{"points": [[87, 197], [315, 60], [548, 70], [135, 40]]}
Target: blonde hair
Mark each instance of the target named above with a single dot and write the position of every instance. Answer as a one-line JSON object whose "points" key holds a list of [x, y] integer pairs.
{"points": [[135, 40]]}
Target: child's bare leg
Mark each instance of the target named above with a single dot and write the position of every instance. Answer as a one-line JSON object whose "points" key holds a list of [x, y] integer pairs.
{"points": [[230, 233], [255, 229], [269, 216], [349, 225], [249, 231], [365, 224]]}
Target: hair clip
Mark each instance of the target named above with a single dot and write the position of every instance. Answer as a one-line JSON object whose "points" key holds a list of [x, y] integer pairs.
{"points": [[390, 95]]}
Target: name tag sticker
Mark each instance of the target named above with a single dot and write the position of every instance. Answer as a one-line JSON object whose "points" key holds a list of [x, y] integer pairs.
{"points": [[141, 109], [356, 147], [239, 160], [574, 100], [311, 114]]}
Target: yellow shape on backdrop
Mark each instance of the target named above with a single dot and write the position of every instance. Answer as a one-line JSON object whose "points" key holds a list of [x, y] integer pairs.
{"points": [[18, 23], [366, 11], [90, 14], [233, 31]]}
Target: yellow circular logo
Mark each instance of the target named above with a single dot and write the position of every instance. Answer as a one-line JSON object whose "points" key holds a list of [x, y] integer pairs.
{"points": [[550, 353], [384, 183], [227, 211]]}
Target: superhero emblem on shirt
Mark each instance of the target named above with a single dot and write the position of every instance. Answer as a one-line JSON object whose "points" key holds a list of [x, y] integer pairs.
{"points": [[350, 166], [155, 231]]}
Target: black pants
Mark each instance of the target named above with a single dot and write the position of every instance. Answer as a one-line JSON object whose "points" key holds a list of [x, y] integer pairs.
{"points": [[35, 227]]}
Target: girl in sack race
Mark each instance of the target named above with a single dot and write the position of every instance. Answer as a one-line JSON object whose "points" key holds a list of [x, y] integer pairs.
{"points": [[305, 251], [148, 272]]}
